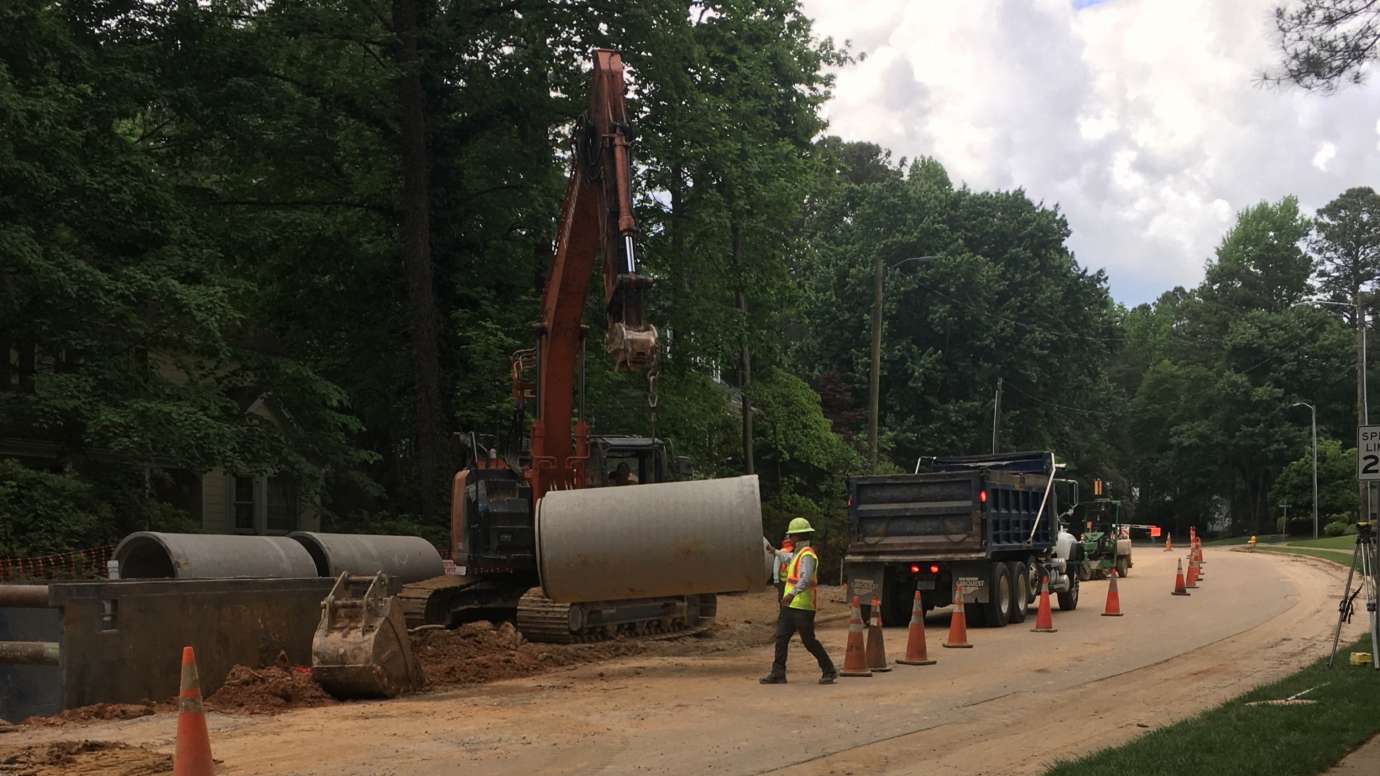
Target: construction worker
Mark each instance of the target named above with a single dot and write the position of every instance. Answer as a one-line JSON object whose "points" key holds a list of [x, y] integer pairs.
{"points": [[798, 604], [780, 569]]}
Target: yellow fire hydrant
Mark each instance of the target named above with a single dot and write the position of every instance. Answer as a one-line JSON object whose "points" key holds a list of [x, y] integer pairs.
{"points": [[1250, 543]]}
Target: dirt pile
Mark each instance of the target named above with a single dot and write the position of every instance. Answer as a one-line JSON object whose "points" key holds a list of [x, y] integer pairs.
{"points": [[268, 690], [98, 758], [94, 712], [483, 652]]}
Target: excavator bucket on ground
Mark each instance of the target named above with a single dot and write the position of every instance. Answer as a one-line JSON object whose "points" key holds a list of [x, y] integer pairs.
{"points": [[361, 648]]}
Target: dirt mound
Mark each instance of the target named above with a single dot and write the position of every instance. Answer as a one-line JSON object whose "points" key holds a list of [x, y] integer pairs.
{"points": [[268, 690], [483, 652], [94, 712], [98, 758]]}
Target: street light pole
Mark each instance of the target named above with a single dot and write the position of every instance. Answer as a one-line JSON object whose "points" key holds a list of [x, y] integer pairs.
{"points": [[874, 389], [1313, 412], [1362, 390]]}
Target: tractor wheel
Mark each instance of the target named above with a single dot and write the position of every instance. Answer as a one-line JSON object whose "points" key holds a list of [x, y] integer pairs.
{"points": [[1123, 566]]}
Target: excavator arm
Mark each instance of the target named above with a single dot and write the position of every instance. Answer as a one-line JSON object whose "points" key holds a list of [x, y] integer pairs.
{"points": [[596, 224]]}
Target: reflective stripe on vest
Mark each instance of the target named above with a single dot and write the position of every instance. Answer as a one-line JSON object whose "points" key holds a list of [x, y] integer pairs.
{"points": [[805, 599]]}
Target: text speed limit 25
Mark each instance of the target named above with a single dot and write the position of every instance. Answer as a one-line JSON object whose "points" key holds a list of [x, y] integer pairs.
{"points": [[1368, 453]]}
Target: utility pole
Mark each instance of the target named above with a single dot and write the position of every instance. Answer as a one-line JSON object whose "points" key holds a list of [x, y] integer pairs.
{"points": [[996, 415], [874, 390]]}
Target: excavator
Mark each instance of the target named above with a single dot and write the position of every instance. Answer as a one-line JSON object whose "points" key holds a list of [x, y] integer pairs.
{"points": [[496, 498]]}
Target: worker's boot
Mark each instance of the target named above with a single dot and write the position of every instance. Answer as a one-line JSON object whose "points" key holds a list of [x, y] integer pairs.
{"points": [[829, 678], [772, 679]]}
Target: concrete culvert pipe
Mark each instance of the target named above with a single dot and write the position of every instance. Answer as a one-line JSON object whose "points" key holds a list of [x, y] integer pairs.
{"points": [[647, 541], [153, 555], [404, 558]]}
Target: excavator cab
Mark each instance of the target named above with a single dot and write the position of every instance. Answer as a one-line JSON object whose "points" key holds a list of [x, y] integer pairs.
{"points": [[633, 460]]}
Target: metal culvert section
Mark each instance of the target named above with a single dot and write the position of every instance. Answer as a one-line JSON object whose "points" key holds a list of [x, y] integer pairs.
{"points": [[404, 558], [153, 555], [646, 541]]}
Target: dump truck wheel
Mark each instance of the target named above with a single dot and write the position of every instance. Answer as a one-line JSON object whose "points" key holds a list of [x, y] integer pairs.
{"points": [[997, 610], [1069, 601], [1020, 592]]}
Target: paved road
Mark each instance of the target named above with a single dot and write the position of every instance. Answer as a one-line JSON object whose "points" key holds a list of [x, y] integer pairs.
{"points": [[1012, 705]]}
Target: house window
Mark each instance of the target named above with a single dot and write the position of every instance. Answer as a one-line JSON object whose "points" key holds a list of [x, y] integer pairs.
{"points": [[243, 503], [283, 507]]}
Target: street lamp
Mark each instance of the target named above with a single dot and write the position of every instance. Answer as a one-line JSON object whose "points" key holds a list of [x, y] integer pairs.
{"points": [[1313, 411], [1362, 393], [875, 387]]}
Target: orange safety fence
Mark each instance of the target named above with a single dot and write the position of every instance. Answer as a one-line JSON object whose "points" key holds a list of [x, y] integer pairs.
{"points": [[77, 563]]}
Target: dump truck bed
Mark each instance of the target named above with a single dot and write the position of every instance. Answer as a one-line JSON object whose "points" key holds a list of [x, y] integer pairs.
{"points": [[972, 507]]}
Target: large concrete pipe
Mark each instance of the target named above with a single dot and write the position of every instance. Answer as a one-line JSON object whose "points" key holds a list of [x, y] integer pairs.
{"points": [[404, 558], [152, 555], [24, 596], [646, 541]]}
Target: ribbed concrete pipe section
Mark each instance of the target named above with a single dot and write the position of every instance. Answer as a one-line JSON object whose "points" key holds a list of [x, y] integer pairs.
{"points": [[155, 555], [404, 558], [646, 541]]}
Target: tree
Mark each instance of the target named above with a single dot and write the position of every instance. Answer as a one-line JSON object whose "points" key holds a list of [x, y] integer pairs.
{"points": [[1346, 244], [1336, 487], [1260, 263], [1326, 42]]}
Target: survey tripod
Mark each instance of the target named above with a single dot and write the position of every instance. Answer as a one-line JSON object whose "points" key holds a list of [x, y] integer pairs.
{"points": [[1363, 560]]}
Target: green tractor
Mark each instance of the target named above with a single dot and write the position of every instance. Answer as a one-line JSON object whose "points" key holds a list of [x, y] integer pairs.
{"points": [[1097, 526]]}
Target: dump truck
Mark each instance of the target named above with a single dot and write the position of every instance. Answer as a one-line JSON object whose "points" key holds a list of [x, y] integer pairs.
{"points": [[983, 527]]}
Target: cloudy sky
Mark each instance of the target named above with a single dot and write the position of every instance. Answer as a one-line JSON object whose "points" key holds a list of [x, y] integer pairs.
{"points": [[1142, 119]]}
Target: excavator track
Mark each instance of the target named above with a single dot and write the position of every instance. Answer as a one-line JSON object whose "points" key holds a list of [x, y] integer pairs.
{"points": [[541, 619]]}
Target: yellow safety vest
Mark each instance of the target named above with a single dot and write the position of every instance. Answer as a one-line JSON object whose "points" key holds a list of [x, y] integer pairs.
{"points": [[804, 599]]}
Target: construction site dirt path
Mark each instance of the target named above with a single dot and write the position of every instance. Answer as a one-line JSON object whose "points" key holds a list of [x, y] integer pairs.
{"points": [[1014, 704]]}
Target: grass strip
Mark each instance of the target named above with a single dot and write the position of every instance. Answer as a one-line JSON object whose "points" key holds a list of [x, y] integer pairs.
{"points": [[1236, 738], [1338, 557], [1271, 539]]}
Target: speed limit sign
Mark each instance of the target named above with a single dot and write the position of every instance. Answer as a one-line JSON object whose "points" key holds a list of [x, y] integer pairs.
{"points": [[1368, 453]]}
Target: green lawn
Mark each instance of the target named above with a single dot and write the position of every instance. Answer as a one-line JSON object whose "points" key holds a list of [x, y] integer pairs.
{"points": [[1236, 738], [1336, 556], [1271, 539], [1347, 542]]}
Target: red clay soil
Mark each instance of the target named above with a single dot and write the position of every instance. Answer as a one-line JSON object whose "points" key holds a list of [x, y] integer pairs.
{"points": [[482, 652], [268, 690], [97, 711], [96, 758]]}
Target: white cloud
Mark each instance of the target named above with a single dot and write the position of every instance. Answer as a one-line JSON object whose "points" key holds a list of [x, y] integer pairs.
{"points": [[1143, 119], [1326, 153]]}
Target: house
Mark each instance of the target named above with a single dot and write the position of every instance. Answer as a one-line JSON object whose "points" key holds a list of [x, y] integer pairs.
{"points": [[219, 501]]}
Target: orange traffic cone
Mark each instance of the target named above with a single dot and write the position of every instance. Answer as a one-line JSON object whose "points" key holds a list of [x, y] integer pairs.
{"points": [[855, 655], [876, 649], [958, 624], [193, 754], [1113, 608], [1168, 542], [1044, 616], [1192, 580], [1179, 587], [916, 654]]}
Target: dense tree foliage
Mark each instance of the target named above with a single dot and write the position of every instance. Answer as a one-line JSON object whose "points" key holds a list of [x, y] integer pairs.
{"points": [[345, 212]]}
